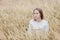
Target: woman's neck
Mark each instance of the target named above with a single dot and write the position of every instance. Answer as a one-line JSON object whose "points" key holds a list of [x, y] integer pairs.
{"points": [[38, 20]]}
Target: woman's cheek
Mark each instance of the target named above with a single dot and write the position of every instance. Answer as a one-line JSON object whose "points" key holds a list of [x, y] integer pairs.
{"points": [[34, 17]]}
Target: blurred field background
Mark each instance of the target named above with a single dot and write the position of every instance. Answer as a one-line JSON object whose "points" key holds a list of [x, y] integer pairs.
{"points": [[15, 16]]}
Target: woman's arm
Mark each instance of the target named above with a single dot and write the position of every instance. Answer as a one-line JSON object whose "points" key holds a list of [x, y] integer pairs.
{"points": [[29, 31], [46, 29]]}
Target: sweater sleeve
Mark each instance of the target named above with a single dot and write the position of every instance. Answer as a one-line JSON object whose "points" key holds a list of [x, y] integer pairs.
{"points": [[30, 28], [46, 29], [29, 31]]}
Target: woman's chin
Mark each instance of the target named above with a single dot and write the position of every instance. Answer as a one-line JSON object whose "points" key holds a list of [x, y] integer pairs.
{"points": [[34, 19]]}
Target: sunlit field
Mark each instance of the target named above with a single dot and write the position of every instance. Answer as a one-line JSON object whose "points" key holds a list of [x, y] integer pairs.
{"points": [[15, 16]]}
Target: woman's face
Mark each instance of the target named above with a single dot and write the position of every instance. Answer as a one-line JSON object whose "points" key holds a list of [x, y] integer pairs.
{"points": [[36, 14]]}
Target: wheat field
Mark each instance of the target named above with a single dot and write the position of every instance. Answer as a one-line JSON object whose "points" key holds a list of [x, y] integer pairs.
{"points": [[15, 16]]}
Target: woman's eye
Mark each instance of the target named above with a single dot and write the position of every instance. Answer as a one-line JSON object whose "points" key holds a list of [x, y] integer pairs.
{"points": [[35, 13]]}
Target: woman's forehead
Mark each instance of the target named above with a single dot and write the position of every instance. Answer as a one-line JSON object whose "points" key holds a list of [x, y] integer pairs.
{"points": [[36, 11]]}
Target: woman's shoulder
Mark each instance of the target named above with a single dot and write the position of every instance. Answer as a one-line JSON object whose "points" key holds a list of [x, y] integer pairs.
{"points": [[44, 21], [31, 21], [45, 24]]}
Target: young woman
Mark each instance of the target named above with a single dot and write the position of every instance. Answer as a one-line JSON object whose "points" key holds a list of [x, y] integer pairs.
{"points": [[38, 25]]}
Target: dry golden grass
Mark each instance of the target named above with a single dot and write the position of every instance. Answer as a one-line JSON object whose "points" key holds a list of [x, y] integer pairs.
{"points": [[15, 15]]}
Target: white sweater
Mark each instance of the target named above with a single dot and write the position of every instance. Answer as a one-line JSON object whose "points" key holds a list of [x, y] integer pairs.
{"points": [[38, 25]]}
